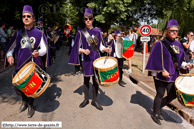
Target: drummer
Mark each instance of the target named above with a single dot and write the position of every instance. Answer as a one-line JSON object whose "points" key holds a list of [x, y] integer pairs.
{"points": [[23, 55], [111, 44], [88, 56], [162, 67]]}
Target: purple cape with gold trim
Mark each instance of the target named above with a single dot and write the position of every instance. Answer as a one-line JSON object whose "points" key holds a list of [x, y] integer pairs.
{"points": [[160, 59], [23, 55], [87, 59]]}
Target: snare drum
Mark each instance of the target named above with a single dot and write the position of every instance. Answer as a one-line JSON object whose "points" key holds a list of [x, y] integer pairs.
{"points": [[124, 48], [185, 90], [31, 80], [107, 74]]}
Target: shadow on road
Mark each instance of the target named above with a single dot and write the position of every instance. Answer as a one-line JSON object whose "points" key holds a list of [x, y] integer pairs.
{"points": [[147, 103], [102, 98], [47, 101]]}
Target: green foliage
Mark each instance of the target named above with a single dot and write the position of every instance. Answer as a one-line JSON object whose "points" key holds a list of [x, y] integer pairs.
{"points": [[113, 28], [181, 10], [154, 25], [11, 11]]}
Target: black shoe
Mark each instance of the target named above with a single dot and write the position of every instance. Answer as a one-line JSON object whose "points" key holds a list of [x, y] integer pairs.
{"points": [[122, 82], [155, 118], [23, 106], [97, 105], [84, 103], [30, 111], [160, 116]]}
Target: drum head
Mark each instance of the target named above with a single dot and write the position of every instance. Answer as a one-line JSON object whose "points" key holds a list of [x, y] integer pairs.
{"points": [[23, 73], [185, 84], [99, 64], [119, 47]]}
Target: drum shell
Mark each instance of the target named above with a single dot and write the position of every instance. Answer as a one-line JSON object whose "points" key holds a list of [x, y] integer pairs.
{"points": [[98, 70], [34, 89]]}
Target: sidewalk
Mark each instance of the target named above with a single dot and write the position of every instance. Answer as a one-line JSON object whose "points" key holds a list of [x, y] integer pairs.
{"points": [[147, 83]]}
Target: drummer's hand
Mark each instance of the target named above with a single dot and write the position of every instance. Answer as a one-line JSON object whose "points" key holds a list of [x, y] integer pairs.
{"points": [[86, 51], [165, 74], [108, 49], [35, 53], [188, 66], [51, 39], [10, 59]]}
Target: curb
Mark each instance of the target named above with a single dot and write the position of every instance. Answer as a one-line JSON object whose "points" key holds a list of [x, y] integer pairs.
{"points": [[186, 113]]}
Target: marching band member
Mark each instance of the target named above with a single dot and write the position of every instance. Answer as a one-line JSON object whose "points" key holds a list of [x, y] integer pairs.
{"points": [[90, 51], [166, 58], [111, 44], [51, 43], [67, 29], [23, 55], [40, 25]]}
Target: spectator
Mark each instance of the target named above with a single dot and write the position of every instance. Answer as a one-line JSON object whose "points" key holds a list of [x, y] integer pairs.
{"points": [[105, 36], [161, 37], [3, 37], [134, 38], [186, 41], [9, 32]]}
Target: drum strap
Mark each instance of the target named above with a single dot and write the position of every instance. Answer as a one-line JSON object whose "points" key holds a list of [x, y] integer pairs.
{"points": [[172, 53], [90, 40], [28, 43]]}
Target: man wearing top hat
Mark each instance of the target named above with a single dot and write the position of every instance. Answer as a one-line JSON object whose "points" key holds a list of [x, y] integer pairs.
{"points": [[39, 48], [89, 53], [166, 58]]}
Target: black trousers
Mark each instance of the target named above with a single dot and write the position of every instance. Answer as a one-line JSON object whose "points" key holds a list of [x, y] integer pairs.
{"points": [[159, 101], [77, 67], [30, 100], [95, 88]]}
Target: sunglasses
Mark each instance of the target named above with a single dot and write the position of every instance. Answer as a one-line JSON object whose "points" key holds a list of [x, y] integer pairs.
{"points": [[173, 31], [28, 16], [88, 19]]}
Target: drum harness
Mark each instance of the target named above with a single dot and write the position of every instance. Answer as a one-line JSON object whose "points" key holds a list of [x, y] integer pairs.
{"points": [[29, 46]]}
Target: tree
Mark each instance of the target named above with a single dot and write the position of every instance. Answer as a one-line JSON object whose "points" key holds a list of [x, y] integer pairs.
{"points": [[11, 10], [154, 25]]}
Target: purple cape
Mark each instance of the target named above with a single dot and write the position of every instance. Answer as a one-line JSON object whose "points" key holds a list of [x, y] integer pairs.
{"points": [[23, 55], [51, 44], [87, 59], [160, 59]]}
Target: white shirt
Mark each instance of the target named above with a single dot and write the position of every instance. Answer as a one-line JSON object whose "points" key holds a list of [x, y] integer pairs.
{"points": [[42, 51], [192, 46]]}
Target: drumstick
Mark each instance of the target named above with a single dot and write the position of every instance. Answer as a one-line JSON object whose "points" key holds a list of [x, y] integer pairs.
{"points": [[179, 75], [106, 57]]}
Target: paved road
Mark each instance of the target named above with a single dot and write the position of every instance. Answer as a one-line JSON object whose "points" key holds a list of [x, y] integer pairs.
{"points": [[124, 107]]}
